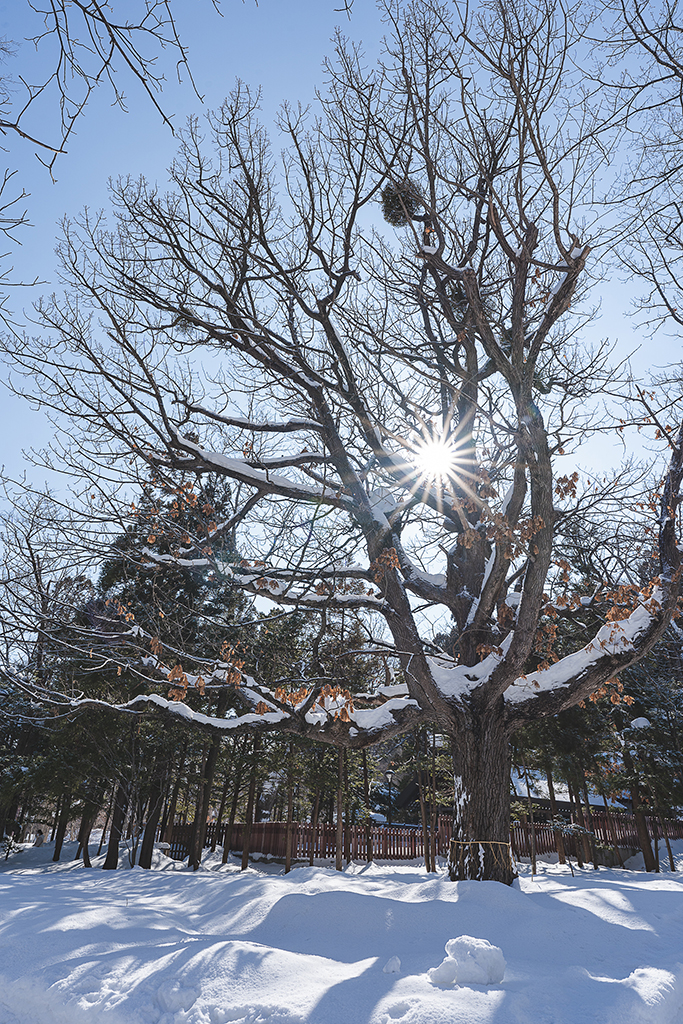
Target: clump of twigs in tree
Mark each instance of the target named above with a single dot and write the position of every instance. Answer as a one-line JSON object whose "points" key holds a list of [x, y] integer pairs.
{"points": [[400, 202]]}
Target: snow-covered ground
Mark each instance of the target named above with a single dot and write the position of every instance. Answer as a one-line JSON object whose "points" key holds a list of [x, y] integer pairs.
{"points": [[316, 946]]}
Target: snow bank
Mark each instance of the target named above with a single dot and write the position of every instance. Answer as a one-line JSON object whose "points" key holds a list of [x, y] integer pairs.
{"points": [[317, 946], [469, 961]]}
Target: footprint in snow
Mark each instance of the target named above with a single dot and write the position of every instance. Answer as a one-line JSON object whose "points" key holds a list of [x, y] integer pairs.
{"points": [[396, 1011], [173, 996]]}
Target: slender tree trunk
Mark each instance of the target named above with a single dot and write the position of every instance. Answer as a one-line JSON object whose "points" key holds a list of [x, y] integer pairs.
{"points": [[366, 799], [340, 797], [583, 818], [208, 775], [425, 823], [195, 850], [481, 770], [106, 821], [660, 817], [154, 808], [55, 819], [532, 823], [223, 801], [227, 838], [111, 861], [347, 811], [613, 831], [432, 809], [25, 819], [7, 814], [639, 813], [314, 826], [90, 812], [513, 846], [668, 844], [79, 837], [577, 818], [249, 816], [204, 797], [641, 828], [258, 806], [290, 810], [559, 840], [170, 823], [61, 825], [655, 840], [589, 825]]}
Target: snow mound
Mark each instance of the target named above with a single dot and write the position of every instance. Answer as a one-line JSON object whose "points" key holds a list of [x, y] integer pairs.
{"points": [[392, 966], [469, 961], [29, 1001]]}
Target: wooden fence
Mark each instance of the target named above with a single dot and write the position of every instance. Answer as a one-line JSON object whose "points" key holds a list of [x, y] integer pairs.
{"points": [[395, 842], [406, 842], [609, 831]]}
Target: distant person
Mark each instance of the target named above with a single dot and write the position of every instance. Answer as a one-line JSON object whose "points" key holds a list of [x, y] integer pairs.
{"points": [[40, 838]]}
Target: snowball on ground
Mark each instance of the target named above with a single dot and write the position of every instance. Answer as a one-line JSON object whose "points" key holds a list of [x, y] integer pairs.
{"points": [[469, 961]]}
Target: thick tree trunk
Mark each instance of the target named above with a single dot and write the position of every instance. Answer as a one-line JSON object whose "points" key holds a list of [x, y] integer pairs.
{"points": [[480, 848]]}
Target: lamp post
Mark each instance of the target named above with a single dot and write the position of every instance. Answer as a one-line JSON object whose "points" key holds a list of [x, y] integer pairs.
{"points": [[390, 775]]}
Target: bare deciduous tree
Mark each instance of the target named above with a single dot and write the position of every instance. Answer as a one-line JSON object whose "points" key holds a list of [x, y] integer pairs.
{"points": [[389, 406], [91, 44]]}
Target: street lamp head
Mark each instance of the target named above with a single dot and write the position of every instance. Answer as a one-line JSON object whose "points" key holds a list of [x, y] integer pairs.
{"points": [[390, 775]]}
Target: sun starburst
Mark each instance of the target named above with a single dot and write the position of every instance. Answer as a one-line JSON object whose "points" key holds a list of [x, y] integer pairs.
{"points": [[436, 460]]}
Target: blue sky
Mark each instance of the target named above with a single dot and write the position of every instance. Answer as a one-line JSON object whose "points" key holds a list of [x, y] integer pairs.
{"points": [[277, 45]]}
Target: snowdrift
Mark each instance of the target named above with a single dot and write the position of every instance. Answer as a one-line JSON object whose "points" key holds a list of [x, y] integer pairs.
{"points": [[365, 946]]}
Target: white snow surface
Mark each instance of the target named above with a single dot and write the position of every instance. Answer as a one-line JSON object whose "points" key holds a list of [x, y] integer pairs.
{"points": [[469, 961], [612, 638], [169, 946]]}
